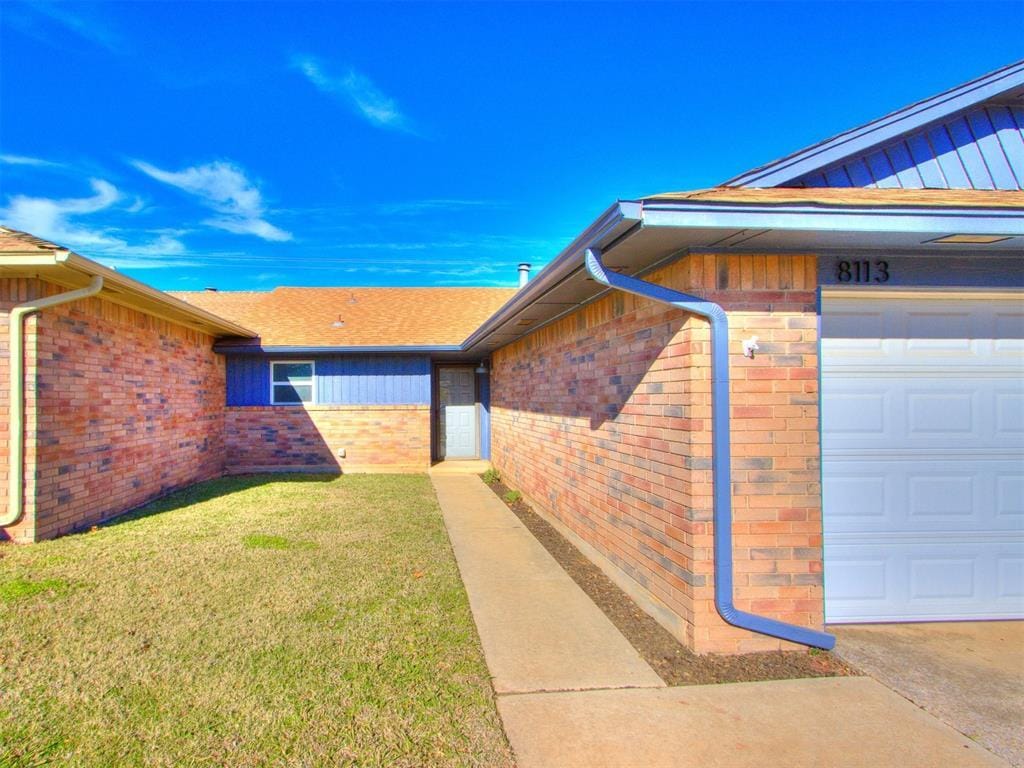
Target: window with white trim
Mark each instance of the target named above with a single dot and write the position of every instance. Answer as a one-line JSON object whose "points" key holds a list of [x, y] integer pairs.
{"points": [[291, 382]]}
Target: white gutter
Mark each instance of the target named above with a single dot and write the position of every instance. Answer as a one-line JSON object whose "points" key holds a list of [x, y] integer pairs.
{"points": [[16, 406]]}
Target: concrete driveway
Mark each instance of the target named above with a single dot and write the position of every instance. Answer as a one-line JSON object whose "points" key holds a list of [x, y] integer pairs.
{"points": [[970, 675]]}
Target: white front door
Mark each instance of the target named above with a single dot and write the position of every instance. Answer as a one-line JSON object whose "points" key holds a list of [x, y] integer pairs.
{"points": [[922, 458], [457, 413]]}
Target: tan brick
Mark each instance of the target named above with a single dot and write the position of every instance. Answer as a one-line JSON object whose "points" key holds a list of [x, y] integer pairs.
{"points": [[578, 426]]}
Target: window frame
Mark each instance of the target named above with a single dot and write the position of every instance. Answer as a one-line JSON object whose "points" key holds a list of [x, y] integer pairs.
{"points": [[275, 384]]}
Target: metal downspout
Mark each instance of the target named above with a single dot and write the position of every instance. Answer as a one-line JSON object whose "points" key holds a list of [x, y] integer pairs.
{"points": [[721, 452], [16, 405]]}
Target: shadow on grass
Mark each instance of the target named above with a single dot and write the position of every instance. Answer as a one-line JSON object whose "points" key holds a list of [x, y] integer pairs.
{"points": [[207, 490]]}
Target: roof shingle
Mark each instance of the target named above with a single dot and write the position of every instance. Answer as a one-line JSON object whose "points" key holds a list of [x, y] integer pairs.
{"points": [[852, 196], [16, 241], [371, 317]]}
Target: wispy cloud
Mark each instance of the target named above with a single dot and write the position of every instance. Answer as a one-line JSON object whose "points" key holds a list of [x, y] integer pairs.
{"points": [[35, 162], [439, 205], [365, 98], [226, 189], [58, 220], [39, 20]]}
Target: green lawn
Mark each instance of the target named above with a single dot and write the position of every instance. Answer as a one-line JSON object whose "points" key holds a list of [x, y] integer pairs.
{"points": [[248, 621]]}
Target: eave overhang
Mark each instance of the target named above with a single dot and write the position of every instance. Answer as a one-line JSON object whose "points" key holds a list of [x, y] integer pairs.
{"points": [[69, 270], [638, 236]]}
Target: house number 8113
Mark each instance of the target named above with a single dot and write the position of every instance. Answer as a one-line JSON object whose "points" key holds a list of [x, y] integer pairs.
{"points": [[862, 272]]}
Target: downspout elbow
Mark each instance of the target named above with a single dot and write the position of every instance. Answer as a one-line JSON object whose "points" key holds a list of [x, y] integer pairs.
{"points": [[16, 404], [721, 458]]}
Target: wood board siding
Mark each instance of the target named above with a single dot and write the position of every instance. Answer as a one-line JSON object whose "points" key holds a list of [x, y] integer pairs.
{"points": [[340, 379], [980, 149]]}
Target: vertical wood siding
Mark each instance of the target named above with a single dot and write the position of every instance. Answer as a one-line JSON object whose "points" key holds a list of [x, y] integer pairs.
{"points": [[340, 379], [982, 149]]}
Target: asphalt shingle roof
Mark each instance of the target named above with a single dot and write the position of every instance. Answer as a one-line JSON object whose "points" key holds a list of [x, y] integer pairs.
{"points": [[16, 241], [852, 197], [371, 317]]}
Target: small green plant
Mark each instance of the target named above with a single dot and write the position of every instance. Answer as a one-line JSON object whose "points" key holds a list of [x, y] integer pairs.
{"points": [[511, 497], [19, 588], [491, 476]]}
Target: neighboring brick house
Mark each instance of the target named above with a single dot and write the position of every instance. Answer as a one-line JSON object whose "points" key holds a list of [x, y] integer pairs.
{"points": [[123, 394], [872, 286]]}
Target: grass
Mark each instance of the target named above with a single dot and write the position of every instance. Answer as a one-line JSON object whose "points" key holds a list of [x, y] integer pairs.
{"points": [[248, 621]]}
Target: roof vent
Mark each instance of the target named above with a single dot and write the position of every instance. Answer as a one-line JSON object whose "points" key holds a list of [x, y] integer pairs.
{"points": [[211, 289], [524, 274]]}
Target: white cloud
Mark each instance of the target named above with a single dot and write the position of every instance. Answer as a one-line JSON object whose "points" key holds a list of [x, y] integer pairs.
{"points": [[25, 160], [49, 218], [225, 188], [439, 205], [56, 220], [363, 96], [74, 18]]}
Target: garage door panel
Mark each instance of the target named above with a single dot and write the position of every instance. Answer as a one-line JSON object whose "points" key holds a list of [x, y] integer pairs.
{"points": [[1010, 574], [923, 459], [1010, 495], [917, 412], [891, 334], [922, 582], [1009, 413], [924, 496]]}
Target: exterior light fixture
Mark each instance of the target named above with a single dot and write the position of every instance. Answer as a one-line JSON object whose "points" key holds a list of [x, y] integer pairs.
{"points": [[482, 368], [972, 239]]}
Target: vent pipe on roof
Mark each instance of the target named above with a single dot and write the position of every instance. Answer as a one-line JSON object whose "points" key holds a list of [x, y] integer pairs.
{"points": [[524, 274], [721, 453]]}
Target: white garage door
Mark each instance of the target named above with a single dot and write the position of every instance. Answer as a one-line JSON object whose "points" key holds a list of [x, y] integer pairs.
{"points": [[923, 457]]}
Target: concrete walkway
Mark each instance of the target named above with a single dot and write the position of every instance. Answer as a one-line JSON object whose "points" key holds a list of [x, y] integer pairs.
{"points": [[539, 630], [572, 691]]}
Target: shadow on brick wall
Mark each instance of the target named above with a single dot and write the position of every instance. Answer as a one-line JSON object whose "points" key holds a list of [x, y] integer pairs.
{"points": [[263, 438], [597, 376]]}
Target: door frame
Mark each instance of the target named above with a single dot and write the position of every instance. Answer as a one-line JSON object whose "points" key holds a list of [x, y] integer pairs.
{"points": [[435, 408]]}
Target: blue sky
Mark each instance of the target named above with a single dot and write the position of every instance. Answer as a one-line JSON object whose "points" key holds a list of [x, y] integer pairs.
{"points": [[250, 145]]}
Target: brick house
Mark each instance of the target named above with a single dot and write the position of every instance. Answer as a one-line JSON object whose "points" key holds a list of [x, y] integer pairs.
{"points": [[853, 451]]}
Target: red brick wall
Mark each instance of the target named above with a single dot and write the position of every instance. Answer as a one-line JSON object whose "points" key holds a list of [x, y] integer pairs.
{"points": [[602, 419], [376, 438], [122, 407]]}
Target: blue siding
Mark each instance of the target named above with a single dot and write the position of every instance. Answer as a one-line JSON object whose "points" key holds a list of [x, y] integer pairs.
{"points": [[373, 380], [340, 379], [980, 149], [248, 380]]}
